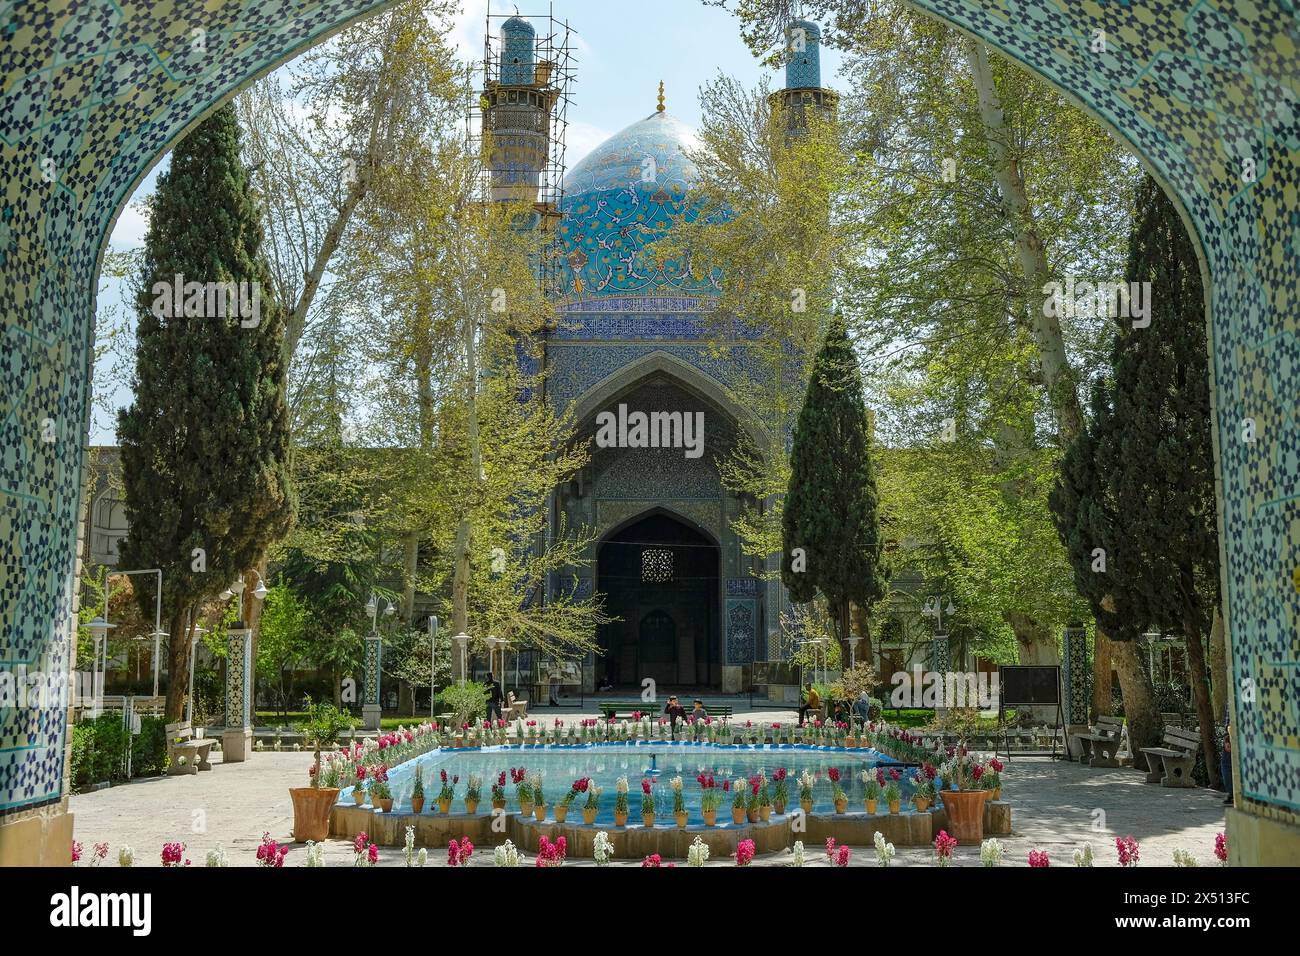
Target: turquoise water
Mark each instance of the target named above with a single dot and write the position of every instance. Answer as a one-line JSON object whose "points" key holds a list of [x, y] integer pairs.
{"points": [[560, 766]]}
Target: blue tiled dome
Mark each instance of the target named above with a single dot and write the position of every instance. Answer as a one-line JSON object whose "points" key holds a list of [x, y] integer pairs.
{"points": [[621, 197]]}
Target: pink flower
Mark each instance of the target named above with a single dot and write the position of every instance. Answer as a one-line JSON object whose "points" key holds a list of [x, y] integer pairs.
{"points": [[1127, 850], [830, 847], [944, 845], [645, 786], [744, 852], [834, 774], [1039, 858], [76, 851], [1221, 847], [372, 854], [173, 854], [842, 857], [654, 859]]}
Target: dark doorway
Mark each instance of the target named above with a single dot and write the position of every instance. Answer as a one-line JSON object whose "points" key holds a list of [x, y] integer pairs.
{"points": [[660, 579]]}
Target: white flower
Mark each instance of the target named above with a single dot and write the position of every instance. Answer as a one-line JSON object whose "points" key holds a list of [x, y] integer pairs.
{"points": [[422, 858], [1183, 858], [126, 856], [798, 853], [1083, 855], [217, 857], [408, 851], [602, 849], [698, 854], [884, 851], [506, 855], [991, 852], [315, 854]]}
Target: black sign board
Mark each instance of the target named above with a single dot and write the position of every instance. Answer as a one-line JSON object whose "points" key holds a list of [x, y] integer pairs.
{"points": [[1025, 684]]}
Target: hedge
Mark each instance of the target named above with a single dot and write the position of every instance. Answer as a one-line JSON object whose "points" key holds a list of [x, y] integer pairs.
{"points": [[99, 750]]}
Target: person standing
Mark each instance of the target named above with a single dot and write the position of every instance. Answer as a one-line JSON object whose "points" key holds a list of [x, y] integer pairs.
{"points": [[494, 698], [674, 711]]}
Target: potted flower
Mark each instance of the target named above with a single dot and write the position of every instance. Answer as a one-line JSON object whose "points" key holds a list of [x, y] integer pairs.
{"points": [[838, 796], [806, 783], [499, 792], [312, 804], [620, 802], [764, 798], [562, 808], [473, 793], [963, 798], [710, 798], [751, 800], [380, 793], [448, 792], [592, 806], [923, 791], [417, 791], [991, 780], [539, 798], [893, 796], [679, 803], [647, 803], [523, 790], [781, 795], [871, 790], [359, 788], [738, 789]]}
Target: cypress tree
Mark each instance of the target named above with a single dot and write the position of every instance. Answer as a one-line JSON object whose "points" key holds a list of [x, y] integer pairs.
{"points": [[1140, 486], [205, 442], [830, 526]]}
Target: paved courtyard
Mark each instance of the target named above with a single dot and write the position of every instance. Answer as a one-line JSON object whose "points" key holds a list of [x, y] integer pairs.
{"points": [[1057, 806]]}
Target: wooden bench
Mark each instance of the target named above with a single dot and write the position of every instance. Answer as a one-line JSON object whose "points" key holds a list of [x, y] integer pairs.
{"points": [[613, 709], [1171, 765], [1102, 743], [181, 743]]}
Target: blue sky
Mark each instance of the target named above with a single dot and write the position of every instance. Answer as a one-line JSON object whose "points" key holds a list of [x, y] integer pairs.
{"points": [[623, 49]]}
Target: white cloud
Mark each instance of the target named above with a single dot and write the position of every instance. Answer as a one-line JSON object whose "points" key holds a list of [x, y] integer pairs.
{"points": [[580, 140]]}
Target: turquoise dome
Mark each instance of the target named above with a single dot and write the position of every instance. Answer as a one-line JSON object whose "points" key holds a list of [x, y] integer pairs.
{"points": [[622, 197]]}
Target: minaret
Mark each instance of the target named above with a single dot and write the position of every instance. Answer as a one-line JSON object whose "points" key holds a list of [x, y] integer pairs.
{"points": [[517, 109], [803, 76]]}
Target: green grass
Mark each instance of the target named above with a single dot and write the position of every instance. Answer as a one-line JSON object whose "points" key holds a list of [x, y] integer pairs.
{"points": [[290, 721]]}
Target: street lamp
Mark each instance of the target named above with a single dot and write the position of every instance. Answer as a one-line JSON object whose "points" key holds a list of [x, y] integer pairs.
{"points": [[463, 640], [189, 699], [158, 632], [99, 628], [433, 651]]}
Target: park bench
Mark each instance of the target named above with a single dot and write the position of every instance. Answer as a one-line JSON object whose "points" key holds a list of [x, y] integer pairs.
{"points": [[1171, 765], [181, 743], [614, 709], [515, 707], [1102, 742]]}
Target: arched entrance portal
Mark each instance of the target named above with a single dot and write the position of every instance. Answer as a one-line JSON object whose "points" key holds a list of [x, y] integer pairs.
{"points": [[660, 580]]}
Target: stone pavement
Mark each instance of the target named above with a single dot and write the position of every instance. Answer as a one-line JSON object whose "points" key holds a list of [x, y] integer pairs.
{"points": [[1056, 807]]}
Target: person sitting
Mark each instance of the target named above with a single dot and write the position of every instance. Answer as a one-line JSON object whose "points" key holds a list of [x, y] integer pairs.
{"points": [[812, 701], [862, 707], [698, 712], [674, 711]]}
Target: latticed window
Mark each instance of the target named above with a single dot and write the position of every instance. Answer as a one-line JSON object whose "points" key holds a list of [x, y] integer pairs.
{"points": [[656, 565]]}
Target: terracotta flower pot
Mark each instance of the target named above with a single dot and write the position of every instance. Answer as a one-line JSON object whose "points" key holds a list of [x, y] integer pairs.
{"points": [[871, 806], [997, 794], [539, 811], [779, 806], [589, 815], [681, 820], [358, 796], [922, 804], [894, 805], [385, 805], [417, 804], [444, 806], [765, 813], [471, 806], [965, 814], [498, 804], [850, 741], [807, 806], [737, 815], [648, 820], [842, 806], [561, 811], [526, 808], [620, 819], [752, 815], [311, 812]]}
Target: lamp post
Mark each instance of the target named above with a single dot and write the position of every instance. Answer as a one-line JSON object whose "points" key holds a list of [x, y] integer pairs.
{"points": [[189, 697], [433, 650], [493, 644], [158, 632], [462, 639], [99, 629], [371, 705]]}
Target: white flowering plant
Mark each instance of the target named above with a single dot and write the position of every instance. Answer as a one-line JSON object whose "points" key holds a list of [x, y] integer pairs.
{"points": [[884, 850], [602, 849]]}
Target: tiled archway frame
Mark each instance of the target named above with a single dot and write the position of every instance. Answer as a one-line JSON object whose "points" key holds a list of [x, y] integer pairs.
{"points": [[94, 90]]}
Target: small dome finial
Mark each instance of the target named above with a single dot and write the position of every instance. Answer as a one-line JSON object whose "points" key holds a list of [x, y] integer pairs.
{"points": [[660, 107]]}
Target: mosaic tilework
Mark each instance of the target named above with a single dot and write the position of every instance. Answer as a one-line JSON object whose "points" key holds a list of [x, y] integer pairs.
{"points": [[239, 668], [742, 626], [1209, 94], [93, 91], [1075, 675], [101, 87], [374, 657]]}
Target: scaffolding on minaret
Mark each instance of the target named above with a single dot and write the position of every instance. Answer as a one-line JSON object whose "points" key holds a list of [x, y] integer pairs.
{"points": [[523, 103]]}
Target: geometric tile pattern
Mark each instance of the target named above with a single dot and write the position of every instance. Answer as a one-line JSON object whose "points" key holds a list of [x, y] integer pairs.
{"points": [[374, 655], [239, 666], [1075, 674], [92, 92]]}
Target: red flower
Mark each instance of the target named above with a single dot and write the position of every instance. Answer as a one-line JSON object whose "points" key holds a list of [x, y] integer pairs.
{"points": [[834, 774], [645, 786]]}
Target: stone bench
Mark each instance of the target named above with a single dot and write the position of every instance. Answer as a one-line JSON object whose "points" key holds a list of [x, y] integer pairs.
{"points": [[1100, 745], [181, 743], [1171, 765]]}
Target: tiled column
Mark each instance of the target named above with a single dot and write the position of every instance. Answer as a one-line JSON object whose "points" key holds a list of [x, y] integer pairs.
{"points": [[237, 738], [371, 709]]}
